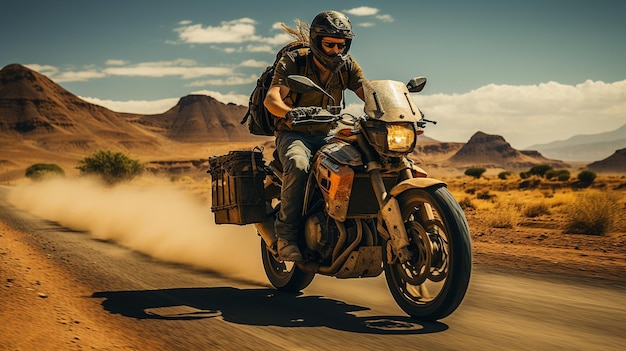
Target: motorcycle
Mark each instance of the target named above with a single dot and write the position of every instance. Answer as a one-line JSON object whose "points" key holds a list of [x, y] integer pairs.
{"points": [[368, 208]]}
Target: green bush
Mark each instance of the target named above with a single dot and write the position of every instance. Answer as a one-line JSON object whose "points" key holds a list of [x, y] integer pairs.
{"points": [[111, 167], [484, 195], [560, 175], [524, 175], [40, 171], [540, 170], [586, 177], [504, 175], [475, 172]]}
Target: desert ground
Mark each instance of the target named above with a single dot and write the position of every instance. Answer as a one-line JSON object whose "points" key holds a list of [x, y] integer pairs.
{"points": [[505, 237]]}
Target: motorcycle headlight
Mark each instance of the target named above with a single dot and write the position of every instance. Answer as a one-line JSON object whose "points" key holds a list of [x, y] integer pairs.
{"points": [[390, 139], [400, 137]]}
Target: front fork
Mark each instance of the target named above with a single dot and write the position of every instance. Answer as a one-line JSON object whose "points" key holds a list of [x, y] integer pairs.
{"points": [[390, 212]]}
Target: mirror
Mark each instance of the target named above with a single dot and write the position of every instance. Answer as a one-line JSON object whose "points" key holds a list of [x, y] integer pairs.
{"points": [[302, 84], [415, 85]]}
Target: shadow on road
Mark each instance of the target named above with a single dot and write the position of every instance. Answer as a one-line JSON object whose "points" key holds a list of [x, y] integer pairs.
{"points": [[261, 307]]}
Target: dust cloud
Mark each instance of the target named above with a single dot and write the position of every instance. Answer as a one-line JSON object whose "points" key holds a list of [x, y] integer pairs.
{"points": [[161, 221]]}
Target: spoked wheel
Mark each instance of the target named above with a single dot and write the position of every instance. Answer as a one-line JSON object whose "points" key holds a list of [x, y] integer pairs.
{"points": [[284, 276], [433, 283]]}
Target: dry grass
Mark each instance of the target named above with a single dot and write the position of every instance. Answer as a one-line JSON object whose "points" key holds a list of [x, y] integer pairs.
{"points": [[593, 212], [597, 210]]}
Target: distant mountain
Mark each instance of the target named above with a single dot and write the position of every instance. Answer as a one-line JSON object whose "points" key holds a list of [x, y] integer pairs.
{"points": [[200, 118], [615, 163], [493, 151], [32, 107], [35, 108], [585, 147]]}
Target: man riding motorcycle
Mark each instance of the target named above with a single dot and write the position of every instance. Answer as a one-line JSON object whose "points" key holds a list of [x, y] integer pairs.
{"points": [[331, 67]]}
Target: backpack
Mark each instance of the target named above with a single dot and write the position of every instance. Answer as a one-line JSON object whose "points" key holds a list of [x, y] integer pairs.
{"points": [[260, 120]]}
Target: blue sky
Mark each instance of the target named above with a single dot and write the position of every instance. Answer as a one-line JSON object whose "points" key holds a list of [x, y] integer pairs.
{"points": [[531, 71]]}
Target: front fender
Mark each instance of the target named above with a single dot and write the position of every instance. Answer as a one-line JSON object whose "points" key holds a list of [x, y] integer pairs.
{"points": [[414, 183]]}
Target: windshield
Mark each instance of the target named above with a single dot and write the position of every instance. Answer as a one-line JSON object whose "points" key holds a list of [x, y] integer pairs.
{"points": [[390, 101]]}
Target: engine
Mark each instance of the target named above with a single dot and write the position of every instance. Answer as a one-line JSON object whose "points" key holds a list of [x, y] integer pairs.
{"points": [[320, 234]]}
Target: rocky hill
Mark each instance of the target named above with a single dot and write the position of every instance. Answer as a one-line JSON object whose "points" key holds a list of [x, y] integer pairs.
{"points": [[615, 163], [200, 118], [34, 108], [42, 122], [493, 151]]}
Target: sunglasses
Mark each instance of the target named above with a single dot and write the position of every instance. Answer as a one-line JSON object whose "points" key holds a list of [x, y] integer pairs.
{"points": [[330, 45]]}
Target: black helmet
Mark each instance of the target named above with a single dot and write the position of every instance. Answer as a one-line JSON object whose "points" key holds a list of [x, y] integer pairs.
{"points": [[330, 24]]}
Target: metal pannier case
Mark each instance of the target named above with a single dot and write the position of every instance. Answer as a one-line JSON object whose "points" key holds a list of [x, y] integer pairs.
{"points": [[237, 187]]}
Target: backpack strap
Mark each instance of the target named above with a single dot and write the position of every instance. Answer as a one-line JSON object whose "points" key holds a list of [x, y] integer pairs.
{"points": [[300, 56]]}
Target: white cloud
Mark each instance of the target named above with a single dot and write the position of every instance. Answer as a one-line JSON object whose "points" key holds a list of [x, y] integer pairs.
{"points": [[235, 31], [362, 11], [385, 18], [527, 115], [78, 76], [147, 107], [225, 81], [43, 69], [254, 63], [231, 32], [186, 69], [369, 11], [113, 62], [278, 39], [366, 24], [260, 48]]}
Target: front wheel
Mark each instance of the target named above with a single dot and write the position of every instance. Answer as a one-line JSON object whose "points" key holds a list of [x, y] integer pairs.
{"points": [[284, 276], [432, 284]]}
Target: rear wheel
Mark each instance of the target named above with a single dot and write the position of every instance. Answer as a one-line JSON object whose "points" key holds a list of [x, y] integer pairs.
{"points": [[433, 283], [284, 276]]}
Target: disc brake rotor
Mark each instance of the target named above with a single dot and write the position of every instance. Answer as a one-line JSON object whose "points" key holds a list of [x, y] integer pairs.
{"points": [[416, 271], [440, 259]]}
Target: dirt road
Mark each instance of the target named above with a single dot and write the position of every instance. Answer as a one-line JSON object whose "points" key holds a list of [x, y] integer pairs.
{"points": [[67, 290]]}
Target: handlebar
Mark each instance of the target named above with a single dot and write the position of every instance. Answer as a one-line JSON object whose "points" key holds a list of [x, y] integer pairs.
{"points": [[320, 115]]}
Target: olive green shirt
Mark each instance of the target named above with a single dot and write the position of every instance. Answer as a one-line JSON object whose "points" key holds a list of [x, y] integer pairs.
{"points": [[350, 76]]}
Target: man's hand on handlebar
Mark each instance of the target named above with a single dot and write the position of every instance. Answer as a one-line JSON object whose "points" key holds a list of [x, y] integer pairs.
{"points": [[301, 113]]}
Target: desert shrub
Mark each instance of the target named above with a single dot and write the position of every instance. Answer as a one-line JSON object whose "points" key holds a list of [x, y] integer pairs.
{"points": [[485, 195], [40, 171], [504, 215], [475, 172], [112, 167], [466, 204], [470, 191], [536, 210], [524, 175], [529, 183], [540, 170], [504, 175], [560, 175], [592, 212], [586, 177]]}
